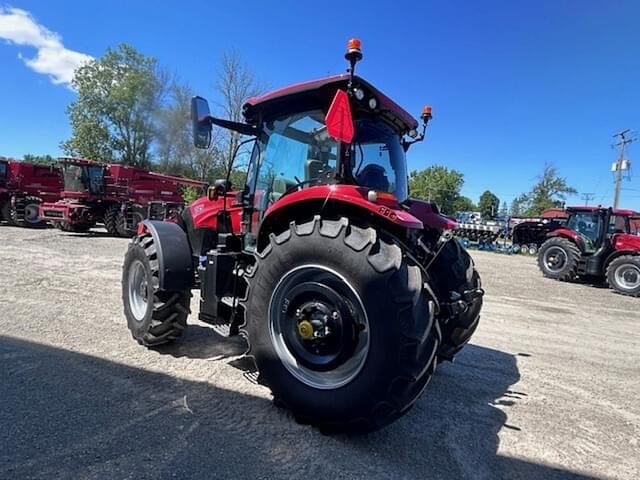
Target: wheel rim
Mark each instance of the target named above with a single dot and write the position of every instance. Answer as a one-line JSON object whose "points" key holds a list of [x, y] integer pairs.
{"points": [[319, 327], [31, 213], [628, 276], [555, 259], [138, 290]]}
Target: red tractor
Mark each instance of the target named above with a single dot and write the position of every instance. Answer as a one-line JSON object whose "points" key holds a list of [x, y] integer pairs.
{"points": [[597, 242], [23, 187], [347, 290], [118, 196]]}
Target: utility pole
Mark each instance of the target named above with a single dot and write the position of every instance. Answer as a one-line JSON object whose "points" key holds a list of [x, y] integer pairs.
{"points": [[587, 197], [621, 164]]}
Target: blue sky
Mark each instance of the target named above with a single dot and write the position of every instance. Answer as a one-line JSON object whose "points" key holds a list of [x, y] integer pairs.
{"points": [[513, 84]]}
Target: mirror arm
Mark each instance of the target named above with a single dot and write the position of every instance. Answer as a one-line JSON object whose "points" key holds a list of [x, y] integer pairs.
{"points": [[407, 143], [242, 128]]}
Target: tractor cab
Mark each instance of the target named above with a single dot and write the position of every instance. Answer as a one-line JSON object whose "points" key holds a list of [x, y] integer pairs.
{"points": [[339, 132], [297, 149], [83, 177]]}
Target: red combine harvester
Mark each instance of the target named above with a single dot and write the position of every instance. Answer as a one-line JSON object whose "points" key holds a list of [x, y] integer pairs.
{"points": [[347, 289], [23, 187], [595, 242], [118, 196]]}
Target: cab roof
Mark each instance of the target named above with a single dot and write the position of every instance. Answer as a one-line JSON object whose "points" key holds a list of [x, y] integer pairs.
{"points": [[624, 212], [323, 90]]}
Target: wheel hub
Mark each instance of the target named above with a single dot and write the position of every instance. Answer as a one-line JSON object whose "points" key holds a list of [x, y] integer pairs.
{"points": [[318, 327], [555, 259], [138, 290], [628, 277]]}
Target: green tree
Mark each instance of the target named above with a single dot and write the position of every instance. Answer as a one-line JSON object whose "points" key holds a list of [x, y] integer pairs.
{"points": [[119, 96], [464, 204], [489, 204], [438, 184], [504, 210], [174, 150], [519, 205], [550, 191], [38, 159]]}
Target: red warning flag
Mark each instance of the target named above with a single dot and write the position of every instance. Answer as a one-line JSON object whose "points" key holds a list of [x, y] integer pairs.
{"points": [[339, 120]]}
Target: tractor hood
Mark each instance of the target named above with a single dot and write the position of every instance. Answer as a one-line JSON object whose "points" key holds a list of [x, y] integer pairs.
{"points": [[319, 93]]}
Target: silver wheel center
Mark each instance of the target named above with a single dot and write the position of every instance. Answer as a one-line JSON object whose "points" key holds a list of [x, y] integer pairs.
{"points": [[322, 355], [31, 213], [555, 259], [138, 290], [628, 276]]}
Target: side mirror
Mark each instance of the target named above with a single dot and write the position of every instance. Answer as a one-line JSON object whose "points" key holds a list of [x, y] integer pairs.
{"points": [[201, 122]]}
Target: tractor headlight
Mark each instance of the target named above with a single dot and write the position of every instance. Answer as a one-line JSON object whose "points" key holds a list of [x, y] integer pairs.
{"points": [[359, 94], [373, 103]]}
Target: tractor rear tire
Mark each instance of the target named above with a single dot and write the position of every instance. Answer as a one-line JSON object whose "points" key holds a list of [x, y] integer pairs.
{"points": [[30, 218], [110, 219], [379, 351], [5, 212], [454, 273], [153, 316], [558, 258], [623, 275]]}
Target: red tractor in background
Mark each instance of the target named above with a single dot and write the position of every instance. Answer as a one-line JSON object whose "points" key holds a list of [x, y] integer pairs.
{"points": [[23, 188], [118, 196], [596, 242], [348, 290]]}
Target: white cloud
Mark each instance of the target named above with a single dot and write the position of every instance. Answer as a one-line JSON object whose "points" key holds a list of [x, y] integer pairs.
{"points": [[52, 58]]}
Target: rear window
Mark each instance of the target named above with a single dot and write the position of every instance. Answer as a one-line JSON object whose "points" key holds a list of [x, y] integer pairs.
{"points": [[3, 170]]}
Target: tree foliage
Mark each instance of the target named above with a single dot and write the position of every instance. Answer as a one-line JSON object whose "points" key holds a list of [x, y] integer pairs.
{"points": [[550, 191], [489, 204], [176, 153], [438, 184], [119, 96], [463, 204]]}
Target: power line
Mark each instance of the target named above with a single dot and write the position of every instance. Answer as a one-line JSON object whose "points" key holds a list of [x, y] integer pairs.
{"points": [[587, 197]]}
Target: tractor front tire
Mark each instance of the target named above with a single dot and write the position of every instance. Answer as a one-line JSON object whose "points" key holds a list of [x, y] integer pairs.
{"points": [[623, 275], [341, 325], [558, 258], [153, 316], [454, 274]]}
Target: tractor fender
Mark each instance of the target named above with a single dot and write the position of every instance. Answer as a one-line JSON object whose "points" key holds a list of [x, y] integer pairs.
{"points": [[336, 200], [569, 235], [618, 253], [429, 214], [175, 262]]}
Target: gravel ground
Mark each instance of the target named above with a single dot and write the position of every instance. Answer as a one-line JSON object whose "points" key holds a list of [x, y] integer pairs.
{"points": [[549, 388]]}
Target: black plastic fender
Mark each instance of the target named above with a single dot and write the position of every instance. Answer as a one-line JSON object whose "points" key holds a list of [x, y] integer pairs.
{"points": [[175, 261]]}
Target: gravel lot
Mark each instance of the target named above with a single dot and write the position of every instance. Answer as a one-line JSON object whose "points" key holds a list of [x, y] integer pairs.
{"points": [[549, 388]]}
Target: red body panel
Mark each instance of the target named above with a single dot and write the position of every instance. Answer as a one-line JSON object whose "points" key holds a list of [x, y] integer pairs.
{"points": [[566, 233], [386, 208], [28, 179], [204, 212], [626, 242], [425, 212]]}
